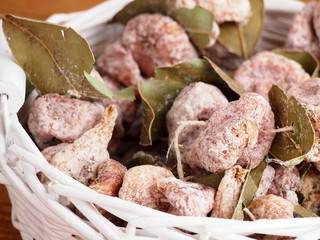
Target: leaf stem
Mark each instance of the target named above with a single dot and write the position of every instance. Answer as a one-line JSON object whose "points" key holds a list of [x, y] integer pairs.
{"points": [[278, 130], [32, 35], [243, 43], [250, 215], [175, 143]]}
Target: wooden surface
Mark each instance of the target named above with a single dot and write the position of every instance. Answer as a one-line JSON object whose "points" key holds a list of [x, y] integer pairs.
{"points": [[7, 231], [37, 9], [40, 9]]}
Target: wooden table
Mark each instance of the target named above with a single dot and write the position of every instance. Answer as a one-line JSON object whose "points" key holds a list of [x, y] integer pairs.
{"points": [[7, 231], [37, 9]]}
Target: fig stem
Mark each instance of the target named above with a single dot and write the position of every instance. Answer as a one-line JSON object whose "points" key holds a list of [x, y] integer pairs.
{"points": [[175, 143], [279, 130], [250, 215]]}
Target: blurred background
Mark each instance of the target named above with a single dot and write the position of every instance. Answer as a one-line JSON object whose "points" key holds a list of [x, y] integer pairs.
{"points": [[39, 9]]}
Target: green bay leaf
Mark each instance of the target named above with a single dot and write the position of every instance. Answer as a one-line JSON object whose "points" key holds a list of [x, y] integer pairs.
{"points": [[225, 83], [309, 62], [29, 86], [53, 56], [211, 180], [197, 22], [249, 189], [137, 7], [143, 159], [126, 93], [243, 41], [158, 94], [303, 212], [290, 145]]}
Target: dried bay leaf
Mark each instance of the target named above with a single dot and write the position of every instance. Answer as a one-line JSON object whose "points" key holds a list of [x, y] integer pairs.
{"points": [[53, 56], [249, 189], [292, 145], [158, 94], [197, 22], [126, 93], [211, 180], [225, 83], [307, 60], [198, 28], [137, 7], [236, 39], [29, 86], [303, 212], [157, 97], [143, 159]]}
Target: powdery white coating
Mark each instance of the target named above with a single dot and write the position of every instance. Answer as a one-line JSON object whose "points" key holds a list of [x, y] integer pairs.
{"points": [[187, 199], [109, 178], [265, 182], [215, 32], [118, 63], [271, 207], [264, 69], [53, 117], [228, 192], [308, 93], [195, 102], [234, 135], [310, 189], [82, 158], [182, 3], [49, 152], [285, 183], [302, 33], [238, 11], [140, 186], [156, 40]]}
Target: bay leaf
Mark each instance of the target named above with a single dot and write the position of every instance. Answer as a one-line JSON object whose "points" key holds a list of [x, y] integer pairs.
{"points": [[235, 39], [126, 93], [157, 97], [309, 62], [211, 180], [225, 83], [292, 145], [53, 56], [158, 94], [29, 86], [303, 212], [304, 168], [137, 7], [249, 189], [197, 22], [144, 159]]}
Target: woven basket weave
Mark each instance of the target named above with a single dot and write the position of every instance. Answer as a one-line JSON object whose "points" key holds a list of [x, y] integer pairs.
{"points": [[36, 210]]}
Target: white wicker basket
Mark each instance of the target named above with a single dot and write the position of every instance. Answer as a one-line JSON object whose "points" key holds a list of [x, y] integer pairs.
{"points": [[36, 211]]}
